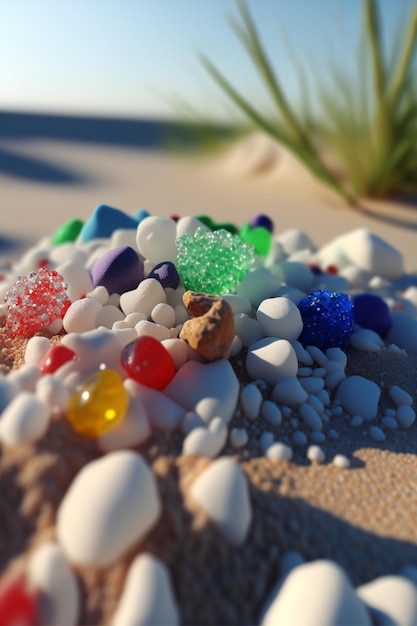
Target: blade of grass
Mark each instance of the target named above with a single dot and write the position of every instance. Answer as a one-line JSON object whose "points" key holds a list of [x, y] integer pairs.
{"points": [[409, 50]]}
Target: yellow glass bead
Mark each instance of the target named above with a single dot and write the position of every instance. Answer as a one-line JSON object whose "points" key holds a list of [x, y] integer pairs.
{"points": [[99, 404]]}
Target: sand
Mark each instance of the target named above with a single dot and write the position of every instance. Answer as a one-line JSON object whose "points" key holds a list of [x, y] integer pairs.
{"points": [[362, 517]]}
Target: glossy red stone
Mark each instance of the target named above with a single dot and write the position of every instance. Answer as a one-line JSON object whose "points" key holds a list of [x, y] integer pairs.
{"points": [[18, 605], [55, 358], [148, 362]]}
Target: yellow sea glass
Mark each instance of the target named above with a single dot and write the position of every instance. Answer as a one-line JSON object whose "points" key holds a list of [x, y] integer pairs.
{"points": [[99, 404]]}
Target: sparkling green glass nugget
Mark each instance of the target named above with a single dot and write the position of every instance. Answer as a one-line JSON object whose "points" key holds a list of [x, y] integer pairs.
{"points": [[213, 262]]}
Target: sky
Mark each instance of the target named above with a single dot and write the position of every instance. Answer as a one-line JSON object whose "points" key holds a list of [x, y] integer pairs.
{"points": [[138, 58]]}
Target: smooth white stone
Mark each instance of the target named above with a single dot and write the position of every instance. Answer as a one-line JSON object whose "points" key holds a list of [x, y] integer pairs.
{"points": [[36, 348], [66, 252], [356, 277], [258, 285], [271, 413], [356, 421], [114, 299], [25, 378], [123, 237], [133, 430], [373, 254], [366, 340], [337, 354], [181, 314], [175, 296], [147, 596], [100, 294], [315, 454], [302, 355], [389, 422], [299, 438], [403, 332], [316, 593], [24, 420], [155, 239], [189, 225], [399, 396], [191, 421], [331, 282], [78, 278], [316, 404], [323, 397], [237, 303], [294, 273], [206, 441], [163, 314], [359, 396], [318, 355], [266, 440], [340, 460], [312, 384], [272, 360], [294, 239], [133, 318], [163, 413], [53, 392], [81, 316], [334, 378], [376, 433], [149, 329], [49, 573], [144, 298], [108, 315], [317, 436], [391, 599], [93, 348], [248, 329], [238, 437], [279, 452], [405, 416], [250, 400], [8, 390], [276, 253], [112, 503], [209, 389], [279, 317], [222, 491], [289, 391], [310, 417], [177, 349], [290, 292]]}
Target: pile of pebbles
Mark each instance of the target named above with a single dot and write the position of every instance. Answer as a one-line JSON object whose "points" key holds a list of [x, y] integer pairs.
{"points": [[258, 392]]}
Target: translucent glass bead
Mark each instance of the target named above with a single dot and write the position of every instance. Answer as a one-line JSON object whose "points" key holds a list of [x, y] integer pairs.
{"points": [[55, 358], [148, 362], [259, 236], [213, 262], [18, 605], [327, 319], [36, 300], [99, 404]]}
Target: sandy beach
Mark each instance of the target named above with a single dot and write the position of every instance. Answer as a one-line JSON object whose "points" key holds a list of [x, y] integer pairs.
{"points": [[362, 517]]}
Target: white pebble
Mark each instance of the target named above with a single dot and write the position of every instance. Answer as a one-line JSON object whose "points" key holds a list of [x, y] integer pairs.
{"points": [[271, 413], [181, 314], [320, 372], [250, 400], [315, 454], [112, 503], [114, 299], [162, 412], [222, 491], [25, 420], [134, 318], [403, 332], [100, 294], [207, 442], [149, 329], [279, 317], [258, 285], [272, 360], [191, 421], [376, 433], [238, 304], [310, 417], [312, 384], [302, 355], [238, 437], [248, 329], [359, 396], [49, 573], [318, 355], [323, 397], [279, 452], [147, 596], [177, 349], [144, 298], [405, 416], [25, 378], [389, 422], [189, 225], [399, 396], [366, 340], [294, 273], [332, 434], [319, 593], [356, 421], [36, 348], [392, 598], [266, 440], [290, 392], [316, 404], [133, 430], [304, 371], [299, 438], [108, 315], [340, 460], [78, 278], [163, 314], [8, 390], [155, 239], [81, 315], [53, 392], [316, 436]]}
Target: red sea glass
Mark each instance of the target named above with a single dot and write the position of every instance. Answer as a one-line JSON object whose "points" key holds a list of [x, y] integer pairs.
{"points": [[18, 605], [148, 362], [55, 358]]}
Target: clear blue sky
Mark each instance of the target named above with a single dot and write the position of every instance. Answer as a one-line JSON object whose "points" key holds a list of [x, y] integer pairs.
{"points": [[136, 57]]}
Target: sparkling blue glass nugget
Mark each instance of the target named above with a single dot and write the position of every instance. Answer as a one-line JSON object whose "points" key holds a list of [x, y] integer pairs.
{"points": [[327, 318]]}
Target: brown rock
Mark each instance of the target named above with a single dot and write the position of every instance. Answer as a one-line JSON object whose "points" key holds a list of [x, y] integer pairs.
{"points": [[212, 329]]}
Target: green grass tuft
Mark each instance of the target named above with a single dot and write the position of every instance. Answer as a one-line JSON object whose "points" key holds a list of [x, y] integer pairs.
{"points": [[368, 121]]}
